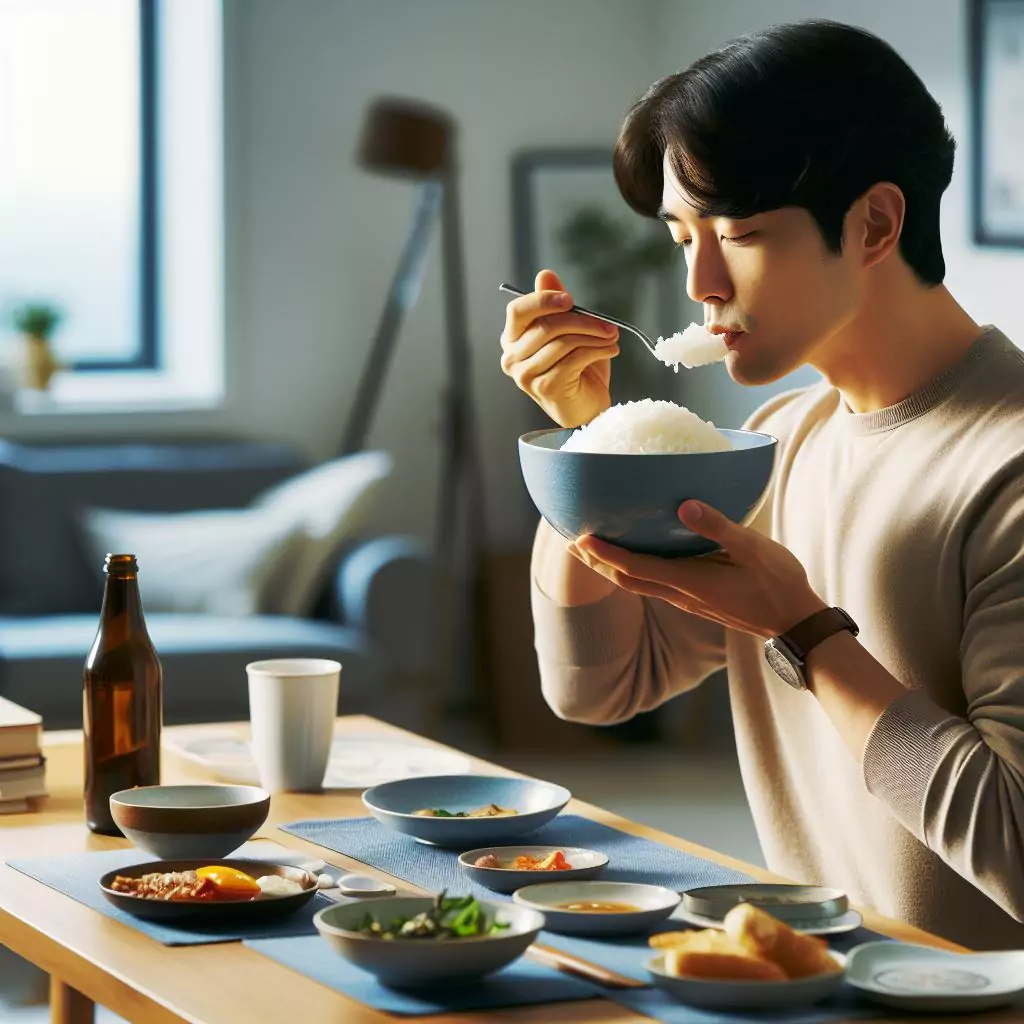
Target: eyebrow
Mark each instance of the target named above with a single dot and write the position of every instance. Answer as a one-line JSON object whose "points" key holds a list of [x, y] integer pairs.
{"points": [[670, 218]]}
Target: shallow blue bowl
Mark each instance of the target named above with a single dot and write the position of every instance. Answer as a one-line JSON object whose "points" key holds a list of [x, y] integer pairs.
{"points": [[393, 804], [633, 500]]}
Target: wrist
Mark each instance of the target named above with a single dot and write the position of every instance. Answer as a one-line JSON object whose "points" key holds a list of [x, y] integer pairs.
{"points": [[798, 611], [788, 652]]}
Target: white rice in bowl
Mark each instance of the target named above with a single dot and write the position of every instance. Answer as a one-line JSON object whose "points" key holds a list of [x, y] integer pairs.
{"points": [[647, 427]]}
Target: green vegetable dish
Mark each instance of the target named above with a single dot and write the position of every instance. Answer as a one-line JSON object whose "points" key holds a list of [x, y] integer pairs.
{"points": [[456, 917]]}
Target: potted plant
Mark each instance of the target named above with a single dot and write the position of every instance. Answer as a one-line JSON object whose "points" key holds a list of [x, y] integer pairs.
{"points": [[37, 322]]}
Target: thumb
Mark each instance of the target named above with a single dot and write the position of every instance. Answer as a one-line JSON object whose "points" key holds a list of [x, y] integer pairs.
{"points": [[548, 281], [711, 523]]}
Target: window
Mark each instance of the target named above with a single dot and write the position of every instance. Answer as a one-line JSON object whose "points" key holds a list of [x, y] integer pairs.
{"points": [[111, 191]]}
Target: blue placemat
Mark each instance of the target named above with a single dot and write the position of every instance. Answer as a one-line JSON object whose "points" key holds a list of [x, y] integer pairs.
{"points": [[653, 1002], [522, 983], [77, 875], [633, 859]]}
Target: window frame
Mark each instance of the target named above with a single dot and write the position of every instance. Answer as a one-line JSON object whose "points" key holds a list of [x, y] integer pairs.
{"points": [[147, 349]]}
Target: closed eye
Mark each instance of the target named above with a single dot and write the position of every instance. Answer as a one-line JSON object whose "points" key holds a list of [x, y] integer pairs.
{"points": [[739, 239]]}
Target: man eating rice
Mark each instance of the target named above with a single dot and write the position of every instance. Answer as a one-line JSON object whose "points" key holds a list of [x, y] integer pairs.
{"points": [[801, 169]]}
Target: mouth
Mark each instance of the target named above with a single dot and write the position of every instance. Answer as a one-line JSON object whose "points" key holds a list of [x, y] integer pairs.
{"points": [[731, 338]]}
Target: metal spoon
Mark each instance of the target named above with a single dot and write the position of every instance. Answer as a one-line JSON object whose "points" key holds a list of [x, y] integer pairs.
{"points": [[600, 316]]}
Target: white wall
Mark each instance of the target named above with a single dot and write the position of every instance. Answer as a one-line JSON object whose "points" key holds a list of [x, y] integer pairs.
{"points": [[932, 36], [316, 238]]}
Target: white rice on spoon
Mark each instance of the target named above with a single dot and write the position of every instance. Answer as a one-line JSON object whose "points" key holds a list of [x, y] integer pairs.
{"points": [[647, 427], [693, 347]]}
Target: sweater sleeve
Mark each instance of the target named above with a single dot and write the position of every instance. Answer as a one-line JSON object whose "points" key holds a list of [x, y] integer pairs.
{"points": [[958, 783], [605, 662]]}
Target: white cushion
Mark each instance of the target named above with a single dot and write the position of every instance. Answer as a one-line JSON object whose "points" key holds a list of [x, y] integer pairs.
{"points": [[223, 561], [328, 504], [271, 557]]}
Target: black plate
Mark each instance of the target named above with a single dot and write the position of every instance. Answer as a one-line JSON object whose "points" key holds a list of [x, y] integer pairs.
{"points": [[261, 909]]}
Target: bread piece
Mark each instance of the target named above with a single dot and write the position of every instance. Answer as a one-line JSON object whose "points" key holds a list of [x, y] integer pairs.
{"points": [[760, 934], [683, 962], [709, 940]]}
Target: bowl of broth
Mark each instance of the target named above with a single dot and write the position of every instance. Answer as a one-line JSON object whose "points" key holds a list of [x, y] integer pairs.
{"points": [[598, 908]]}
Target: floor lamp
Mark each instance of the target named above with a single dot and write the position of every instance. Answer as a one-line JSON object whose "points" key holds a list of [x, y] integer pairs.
{"points": [[407, 138]]}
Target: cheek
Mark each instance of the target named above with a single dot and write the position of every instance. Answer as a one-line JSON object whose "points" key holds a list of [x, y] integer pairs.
{"points": [[798, 298]]}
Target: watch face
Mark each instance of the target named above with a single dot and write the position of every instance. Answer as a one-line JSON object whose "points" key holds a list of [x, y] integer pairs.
{"points": [[783, 664]]}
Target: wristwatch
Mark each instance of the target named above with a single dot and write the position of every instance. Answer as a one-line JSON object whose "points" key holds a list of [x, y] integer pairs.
{"points": [[787, 653]]}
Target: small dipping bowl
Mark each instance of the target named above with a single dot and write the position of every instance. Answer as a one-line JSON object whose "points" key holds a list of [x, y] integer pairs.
{"points": [[586, 864]]}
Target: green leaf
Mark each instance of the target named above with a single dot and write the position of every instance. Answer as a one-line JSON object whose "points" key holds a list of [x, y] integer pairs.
{"points": [[38, 319], [467, 920]]}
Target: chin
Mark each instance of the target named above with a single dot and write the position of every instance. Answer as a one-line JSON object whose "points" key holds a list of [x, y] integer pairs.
{"points": [[750, 370]]}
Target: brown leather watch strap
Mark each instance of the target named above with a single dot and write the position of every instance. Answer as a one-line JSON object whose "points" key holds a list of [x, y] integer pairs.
{"points": [[806, 635]]}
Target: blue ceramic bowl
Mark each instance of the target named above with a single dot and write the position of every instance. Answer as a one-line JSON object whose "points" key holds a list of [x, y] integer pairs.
{"points": [[633, 500], [394, 804]]}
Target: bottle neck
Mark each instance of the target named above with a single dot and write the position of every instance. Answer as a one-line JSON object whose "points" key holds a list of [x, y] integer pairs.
{"points": [[122, 603]]}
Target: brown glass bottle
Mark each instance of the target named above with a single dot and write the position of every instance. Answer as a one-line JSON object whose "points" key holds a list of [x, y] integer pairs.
{"points": [[123, 698]]}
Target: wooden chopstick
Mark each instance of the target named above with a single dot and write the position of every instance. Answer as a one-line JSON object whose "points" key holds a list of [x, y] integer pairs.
{"points": [[592, 972]]}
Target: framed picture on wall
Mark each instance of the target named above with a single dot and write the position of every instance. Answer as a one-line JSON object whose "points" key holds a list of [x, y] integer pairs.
{"points": [[568, 215], [996, 33]]}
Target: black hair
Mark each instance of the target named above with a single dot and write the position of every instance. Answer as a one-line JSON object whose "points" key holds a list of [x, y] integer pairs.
{"points": [[809, 114]]}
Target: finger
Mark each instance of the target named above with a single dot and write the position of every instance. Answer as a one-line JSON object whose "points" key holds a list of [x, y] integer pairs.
{"points": [[548, 281], [688, 603], [558, 362], [635, 585], [711, 523], [548, 328], [522, 311], [658, 591], [689, 576]]}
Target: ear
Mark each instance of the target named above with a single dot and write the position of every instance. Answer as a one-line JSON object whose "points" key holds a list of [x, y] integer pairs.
{"points": [[881, 221]]}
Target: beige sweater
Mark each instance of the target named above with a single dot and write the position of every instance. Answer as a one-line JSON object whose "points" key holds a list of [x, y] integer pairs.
{"points": [[912, 519]]}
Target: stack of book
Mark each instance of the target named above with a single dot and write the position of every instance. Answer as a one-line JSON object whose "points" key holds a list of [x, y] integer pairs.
{"points": [[22, 765]]}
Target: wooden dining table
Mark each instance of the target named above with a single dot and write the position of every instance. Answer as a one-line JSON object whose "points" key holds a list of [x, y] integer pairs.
{"points": [[92, 959]]}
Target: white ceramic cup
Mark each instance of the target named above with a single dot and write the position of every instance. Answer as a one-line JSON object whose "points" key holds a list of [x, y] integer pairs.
{"points": [[292, 706]]}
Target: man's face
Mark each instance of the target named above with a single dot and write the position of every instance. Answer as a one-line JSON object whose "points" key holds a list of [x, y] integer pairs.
{"points": [[768, 277]]}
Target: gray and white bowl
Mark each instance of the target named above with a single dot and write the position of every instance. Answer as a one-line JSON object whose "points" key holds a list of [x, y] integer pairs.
{"points": [[419, 962], [186, 822]]}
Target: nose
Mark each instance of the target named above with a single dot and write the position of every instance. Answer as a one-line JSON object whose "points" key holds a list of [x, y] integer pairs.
{"points": [[707, 276]]}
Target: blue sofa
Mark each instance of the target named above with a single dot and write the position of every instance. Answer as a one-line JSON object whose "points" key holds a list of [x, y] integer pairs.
{"points": [[374, 616]]}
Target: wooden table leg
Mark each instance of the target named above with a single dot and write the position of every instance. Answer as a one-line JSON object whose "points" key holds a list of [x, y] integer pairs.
{"points": [[68, 1005]]}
